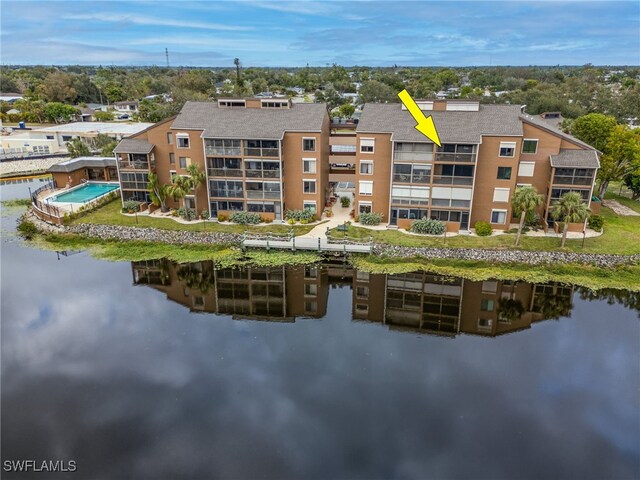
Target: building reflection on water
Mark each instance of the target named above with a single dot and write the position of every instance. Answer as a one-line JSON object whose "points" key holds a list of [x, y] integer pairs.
{"points": [[411, 302]]}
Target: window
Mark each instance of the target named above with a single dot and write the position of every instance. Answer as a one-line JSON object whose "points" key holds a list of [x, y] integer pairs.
{"points": [[504, 173], [364, 207], [366, 145], [489, 286], [170, 138], [310, 289], [66, 138], [484, 323], [50, 137], [183, 141], [362, 292], [183, 162], [486, 305], [366, 167], [498, 216], [310, 206], [309, 186], [529, 146], [501, 194], [507, 149], [310, 272], [525, 169], [309, 144], [362, 276], [366, 188], [309, 165], [172, 158], [172, 173], [310, 307]]}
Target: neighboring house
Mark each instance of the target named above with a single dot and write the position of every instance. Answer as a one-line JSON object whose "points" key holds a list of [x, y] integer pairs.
{"points": [[98, 106], [552, 118], [20, 143], [128, 107], [10, 97], [86, 114], [248, 147], [87, 131]]}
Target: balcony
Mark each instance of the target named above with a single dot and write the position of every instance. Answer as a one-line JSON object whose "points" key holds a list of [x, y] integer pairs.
{"points": [[135, 165], [261, 152], [223, 151], [448, 180], [571, 180], [224, 172], [255, 173], [409, 201], [263, 194], [228, 193], [413, 156], [406, 178], [455, 157]]}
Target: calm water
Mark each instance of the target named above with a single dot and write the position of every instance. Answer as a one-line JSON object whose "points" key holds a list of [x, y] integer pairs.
{"points": [[153, 370]]}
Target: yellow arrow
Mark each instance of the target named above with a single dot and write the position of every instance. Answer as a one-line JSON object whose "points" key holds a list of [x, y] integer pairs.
{"points": [[425, 125]]}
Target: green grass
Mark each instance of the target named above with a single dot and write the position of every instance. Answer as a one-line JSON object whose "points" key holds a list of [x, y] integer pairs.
{"points": [[20, 202], [595, 278], [111, 214], [621, 236]]}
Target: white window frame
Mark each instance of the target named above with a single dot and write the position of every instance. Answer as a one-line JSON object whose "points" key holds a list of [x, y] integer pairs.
{"points": [[310, 180], [313, 162], [365, 203], [512, 145], [315, 146], [498, 210], [499, 192], [368, 142], [366, 162], [530, 140], [172, 173], [182, 136], [525, 173], [363, 183], [313, 203]]}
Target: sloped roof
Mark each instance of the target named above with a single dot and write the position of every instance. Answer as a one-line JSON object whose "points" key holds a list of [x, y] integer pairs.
{"points": [[74, 164], [258, 123], [545, 125], [133, 145], [452, 126], [570, 158]]}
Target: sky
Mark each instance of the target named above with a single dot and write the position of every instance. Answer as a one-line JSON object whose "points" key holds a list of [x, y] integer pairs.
{"points": [[291, 34]]}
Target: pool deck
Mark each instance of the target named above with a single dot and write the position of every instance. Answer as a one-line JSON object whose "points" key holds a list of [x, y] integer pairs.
{"points": [[72, 206]]}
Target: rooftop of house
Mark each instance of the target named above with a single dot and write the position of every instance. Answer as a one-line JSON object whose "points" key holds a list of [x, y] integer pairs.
{"points": [[96, 127], [133, 145], [573, 158], [452, 126], [74, 164], [255, 123], [546, 125]]}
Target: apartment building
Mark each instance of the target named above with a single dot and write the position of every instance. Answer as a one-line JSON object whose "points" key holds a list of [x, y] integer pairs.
{"points": [[260, 155], [487, 152]]}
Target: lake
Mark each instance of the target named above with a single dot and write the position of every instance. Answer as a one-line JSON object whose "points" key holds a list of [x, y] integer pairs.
{"points": [[152, 370]]}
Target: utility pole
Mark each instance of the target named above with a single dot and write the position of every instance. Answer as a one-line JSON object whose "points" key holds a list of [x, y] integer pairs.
{"points": [[166, 54]]}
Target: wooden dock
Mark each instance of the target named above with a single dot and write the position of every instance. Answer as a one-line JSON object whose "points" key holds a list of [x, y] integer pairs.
{"points": [[306, 243]]}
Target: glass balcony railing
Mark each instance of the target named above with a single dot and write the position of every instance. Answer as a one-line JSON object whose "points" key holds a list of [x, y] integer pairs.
{"points": [[455, 157], [261, 152], [413, 156], [224, 172], [227, 193], [224, 151], [262, 194], [406, 178], [448, 180], [252, 173]]}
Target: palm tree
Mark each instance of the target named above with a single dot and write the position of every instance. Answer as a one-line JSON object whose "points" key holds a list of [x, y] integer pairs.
{"points": [[525, 200], [179, 189], [158, 193], [197, 177], [569, 209], [236, 62]]}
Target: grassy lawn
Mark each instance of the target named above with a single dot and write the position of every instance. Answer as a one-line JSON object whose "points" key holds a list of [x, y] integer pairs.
{"points": [[621, 236], [111, 214]]}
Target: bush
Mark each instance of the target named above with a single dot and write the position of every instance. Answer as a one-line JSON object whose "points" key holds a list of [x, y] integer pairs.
{"points": [[130, 206], [483, 229], [26, 228], [428, 226], [532, 219], [291, 221], [204, 214], [372, 218], [189, 213], [245, 218], [299, 215], [222, 218], [596, 222], [345, 202]]}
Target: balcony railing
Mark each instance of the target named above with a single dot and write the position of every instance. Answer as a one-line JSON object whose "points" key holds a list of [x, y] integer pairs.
{"points": [[133, 185], [262, 194], [409, 201], [135, 165], [447, 180], [224, 172], [227, 193], [252, 173], [569, 180], [413, 156], [455, 157], [406, 178], [224, 151], [261, 152]]}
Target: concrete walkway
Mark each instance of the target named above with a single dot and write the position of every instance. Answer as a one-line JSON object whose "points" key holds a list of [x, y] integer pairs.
{"points": [[620, 209], [340, 215]]}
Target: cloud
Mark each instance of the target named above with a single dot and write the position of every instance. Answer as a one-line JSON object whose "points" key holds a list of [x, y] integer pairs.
{"points": [[151, 21]]}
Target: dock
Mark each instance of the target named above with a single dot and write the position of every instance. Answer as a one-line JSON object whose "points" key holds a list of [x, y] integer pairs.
{"points": [[306, 243]]}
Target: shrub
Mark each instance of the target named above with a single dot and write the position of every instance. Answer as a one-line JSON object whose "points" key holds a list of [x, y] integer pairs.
{"points": [[532, 219], [428, 226], [245, 218], [189, 213], [596, 222], [204, 214], [174, 213], [299, 215], [221, 218], [345, 202], [483, 229], [26, 228], [130, 206], [372, 218], [291, 221]]}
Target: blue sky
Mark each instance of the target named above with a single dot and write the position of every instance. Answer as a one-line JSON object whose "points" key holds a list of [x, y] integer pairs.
{"points": [[282, 33]]}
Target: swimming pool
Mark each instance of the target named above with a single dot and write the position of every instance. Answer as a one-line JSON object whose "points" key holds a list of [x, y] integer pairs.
{"points": [[85, 193]]}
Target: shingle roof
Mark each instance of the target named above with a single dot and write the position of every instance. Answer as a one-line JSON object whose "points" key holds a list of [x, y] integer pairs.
{"points": [[258, 123], [570, 158], [133, 145], [452, 126], [82, 162], [540, 122]]}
